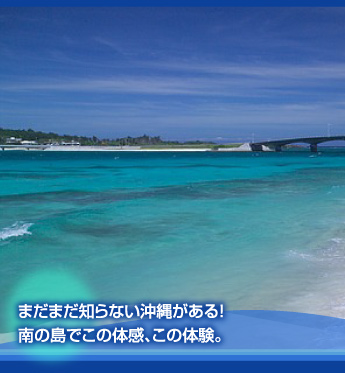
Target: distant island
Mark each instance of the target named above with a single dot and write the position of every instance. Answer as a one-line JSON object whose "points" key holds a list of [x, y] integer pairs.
{"points": [[21, 139], [10, 136], [31, 137]]}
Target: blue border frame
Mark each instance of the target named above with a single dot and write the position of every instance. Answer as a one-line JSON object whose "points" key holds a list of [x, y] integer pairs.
{"points": [[172, 366], [179, 363], [172, 3]]}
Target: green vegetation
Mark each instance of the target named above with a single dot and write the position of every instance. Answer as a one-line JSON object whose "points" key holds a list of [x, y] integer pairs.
{"points": [[53, 138], [38, 136], [235, 145]]}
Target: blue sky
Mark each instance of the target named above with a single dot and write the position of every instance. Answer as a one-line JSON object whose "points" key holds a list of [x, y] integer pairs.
{"points": [[182, 73]]}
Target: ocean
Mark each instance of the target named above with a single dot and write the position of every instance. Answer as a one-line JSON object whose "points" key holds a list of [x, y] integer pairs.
{"points": [[255, 231]]}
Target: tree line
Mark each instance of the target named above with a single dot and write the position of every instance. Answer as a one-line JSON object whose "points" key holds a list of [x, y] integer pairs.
{"points": [[53, 138]]}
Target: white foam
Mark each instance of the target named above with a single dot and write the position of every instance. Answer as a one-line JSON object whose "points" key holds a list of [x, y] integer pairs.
{"points": [[337, 240], [16, 230], [296, 254]]}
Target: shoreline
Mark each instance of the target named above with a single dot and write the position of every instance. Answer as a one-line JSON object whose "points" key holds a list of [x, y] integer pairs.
{"points": [[85, 148]]}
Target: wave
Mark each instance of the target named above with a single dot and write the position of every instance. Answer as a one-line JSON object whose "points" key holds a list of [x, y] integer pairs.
{"points": [[17, 229], [332, 252]]}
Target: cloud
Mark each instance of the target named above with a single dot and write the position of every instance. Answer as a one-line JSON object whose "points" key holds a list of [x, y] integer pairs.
{"points": [[207, 80], [113, 45], [278, 70]]}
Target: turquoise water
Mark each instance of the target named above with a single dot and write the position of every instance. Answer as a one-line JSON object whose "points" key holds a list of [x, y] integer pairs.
{"points": [[252, 230]]}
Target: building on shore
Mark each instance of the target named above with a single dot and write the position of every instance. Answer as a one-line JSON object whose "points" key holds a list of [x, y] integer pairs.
{"points": [[13, 140], [28, 142]]}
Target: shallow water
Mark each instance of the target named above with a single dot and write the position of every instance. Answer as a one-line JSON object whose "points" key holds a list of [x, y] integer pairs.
{"points": [[252, 230]]}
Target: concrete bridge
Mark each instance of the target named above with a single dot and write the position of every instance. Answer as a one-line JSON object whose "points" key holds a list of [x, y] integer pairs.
{"points": [[25, 147], [278, 144]]}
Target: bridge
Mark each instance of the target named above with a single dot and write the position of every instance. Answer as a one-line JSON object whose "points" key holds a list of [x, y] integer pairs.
{"points": [[278, 144], [26, 147]]}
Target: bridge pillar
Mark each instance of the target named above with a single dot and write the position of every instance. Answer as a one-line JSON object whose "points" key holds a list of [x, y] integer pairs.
{"points": [[256, 147], [278, 148], [313, 148]]}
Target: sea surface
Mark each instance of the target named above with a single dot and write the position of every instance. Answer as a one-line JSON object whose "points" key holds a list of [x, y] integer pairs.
{"points": [[262, 231]]}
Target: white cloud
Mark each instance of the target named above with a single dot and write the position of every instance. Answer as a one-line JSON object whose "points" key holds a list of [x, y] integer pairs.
{"points": [[197, 80]]}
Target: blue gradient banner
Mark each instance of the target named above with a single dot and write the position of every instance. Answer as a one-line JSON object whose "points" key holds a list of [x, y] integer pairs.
{"points": [[246, 335]]}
